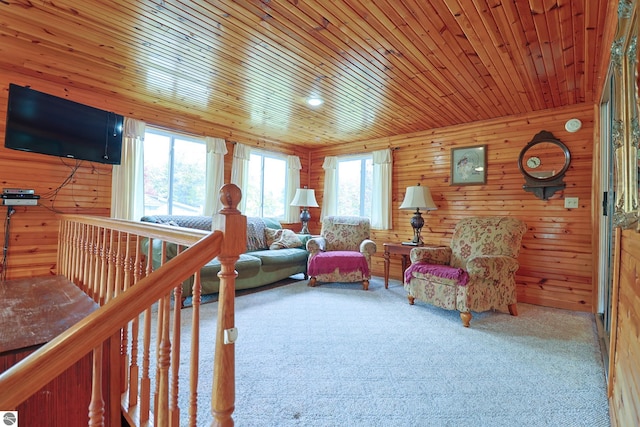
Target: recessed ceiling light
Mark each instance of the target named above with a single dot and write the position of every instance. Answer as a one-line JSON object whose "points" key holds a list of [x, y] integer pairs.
{"points": [[314, 102]]}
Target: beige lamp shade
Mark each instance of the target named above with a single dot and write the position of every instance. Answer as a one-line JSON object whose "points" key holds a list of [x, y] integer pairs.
{"points": [[305, 197], [418, 197]]}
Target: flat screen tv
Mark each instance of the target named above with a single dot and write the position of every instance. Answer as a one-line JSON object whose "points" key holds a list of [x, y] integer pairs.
{"points": [[43, 123]]}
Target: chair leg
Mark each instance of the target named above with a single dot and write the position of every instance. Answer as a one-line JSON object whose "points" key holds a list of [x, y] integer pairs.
{"points": [[365, 284], [312, 282], [466, 318], [411, 299], [513, 309]]}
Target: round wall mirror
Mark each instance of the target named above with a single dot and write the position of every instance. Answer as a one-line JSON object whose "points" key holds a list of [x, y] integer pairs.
{"points": [[545, 159], [543, 162]]}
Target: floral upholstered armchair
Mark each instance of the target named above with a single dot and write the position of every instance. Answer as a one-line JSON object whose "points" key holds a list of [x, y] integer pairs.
{"points": [[343, 251], [476, 273]]}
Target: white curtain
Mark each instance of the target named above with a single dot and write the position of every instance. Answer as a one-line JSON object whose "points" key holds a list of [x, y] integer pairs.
{"points": [[292, 213], [381, 197], [240, 171], [329, 198], [127, 179], [216, 149]]}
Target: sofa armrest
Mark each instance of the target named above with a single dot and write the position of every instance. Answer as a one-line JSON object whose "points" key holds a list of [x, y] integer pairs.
{"points": [[304, 238], [368, 247], [431, 255], [171, 251], [316, 244], [492, 267]]}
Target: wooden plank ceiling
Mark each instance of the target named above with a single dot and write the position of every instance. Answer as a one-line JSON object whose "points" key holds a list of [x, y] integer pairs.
{"points": [[383, 67]]}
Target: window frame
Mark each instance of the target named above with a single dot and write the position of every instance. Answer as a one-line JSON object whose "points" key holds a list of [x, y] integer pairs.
{"points": [[364, 157], [173, 136], [277, 156]]}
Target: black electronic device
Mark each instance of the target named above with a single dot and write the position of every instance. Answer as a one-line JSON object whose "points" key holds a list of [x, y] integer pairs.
{"points": [[46, 124], [20, 196], [17, 197], [18, 191]]}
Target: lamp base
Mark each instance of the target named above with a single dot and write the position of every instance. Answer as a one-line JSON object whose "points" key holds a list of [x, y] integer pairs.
{"points": [[417, 222], [305, 229], [305, 216]]}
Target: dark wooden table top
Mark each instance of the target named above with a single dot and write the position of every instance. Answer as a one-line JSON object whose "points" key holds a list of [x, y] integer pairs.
{"points": [[35, 310]]}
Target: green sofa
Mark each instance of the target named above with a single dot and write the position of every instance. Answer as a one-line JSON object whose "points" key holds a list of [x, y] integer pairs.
{"points": [[259, 266]]}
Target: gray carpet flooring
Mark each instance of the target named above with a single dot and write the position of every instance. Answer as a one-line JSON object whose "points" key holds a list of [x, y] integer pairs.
{"points": [[335, 355]]}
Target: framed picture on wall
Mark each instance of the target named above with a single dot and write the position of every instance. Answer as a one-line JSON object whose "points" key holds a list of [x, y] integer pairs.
{"points": [[469, 165]]}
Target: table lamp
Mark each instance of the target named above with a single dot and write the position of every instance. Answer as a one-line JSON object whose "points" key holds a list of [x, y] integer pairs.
{"points": [[305, 197], [417, 197]]}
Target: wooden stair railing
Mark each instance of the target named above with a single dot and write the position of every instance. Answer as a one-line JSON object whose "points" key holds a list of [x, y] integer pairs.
{"points": [[104, 258]]}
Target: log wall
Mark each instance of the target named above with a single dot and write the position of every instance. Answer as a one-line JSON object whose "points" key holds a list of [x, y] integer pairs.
{"points": [[556, 257]]}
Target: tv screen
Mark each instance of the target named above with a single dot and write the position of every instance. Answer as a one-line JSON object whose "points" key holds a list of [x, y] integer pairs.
{"points": [[43, 123]]}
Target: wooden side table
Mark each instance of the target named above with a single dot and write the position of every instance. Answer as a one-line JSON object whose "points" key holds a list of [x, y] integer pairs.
{"points": [[397, 249], [402, 250]]}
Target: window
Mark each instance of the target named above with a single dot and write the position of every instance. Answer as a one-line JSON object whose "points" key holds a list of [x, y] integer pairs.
{"points": [[354, 184], [266, 186], [174, 174]]}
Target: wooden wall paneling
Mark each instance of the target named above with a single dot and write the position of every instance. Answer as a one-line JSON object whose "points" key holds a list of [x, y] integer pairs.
{"points": [[615, 288], [625, 399], [65, 400], [422, 157], [34, 229], [556, 257], [33, 234]]}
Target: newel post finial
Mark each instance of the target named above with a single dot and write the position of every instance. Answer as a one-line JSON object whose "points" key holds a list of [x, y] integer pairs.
{"points": [[230, 196]]}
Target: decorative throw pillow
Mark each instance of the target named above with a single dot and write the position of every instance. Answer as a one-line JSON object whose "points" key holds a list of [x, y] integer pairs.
{"points": [[272, 234], [255, 234], [285, 239]]}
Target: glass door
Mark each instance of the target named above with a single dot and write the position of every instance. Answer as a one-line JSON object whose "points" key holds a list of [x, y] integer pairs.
{"points": [[606, 243]]}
